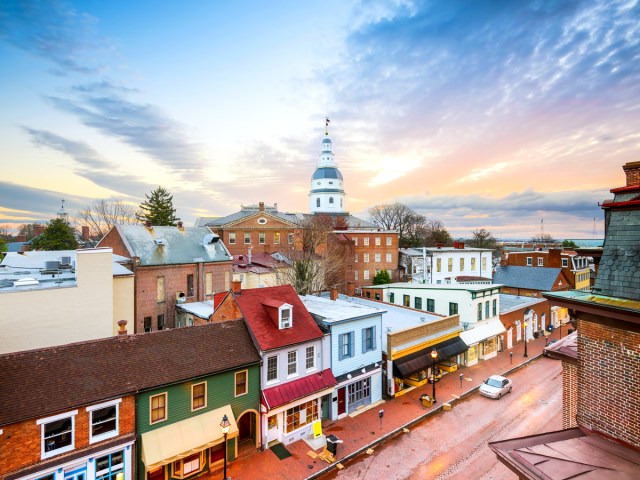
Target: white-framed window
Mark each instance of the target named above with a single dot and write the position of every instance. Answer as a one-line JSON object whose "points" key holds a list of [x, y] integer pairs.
{"points": [[285, 316], [232, 238], [540, 261], [355, 241], [157, 408], [198, 396], [388, 258], [292, 362], [529, 261], [356, 258], [189, 465], [108, 466], [355, 274], [345, 345], [104, 420], [389, 241], [366, 257], [565, 262], [368, 339], [365, 274], [377, 241], [276, 238], [272, 368], [366, 241], [310, 361], [241, 383], [247, 238], [377, 257], [261, 238], [57, 434]]}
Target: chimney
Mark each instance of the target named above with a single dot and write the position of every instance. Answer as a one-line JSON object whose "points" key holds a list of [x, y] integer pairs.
{"points": [[122, 327], [555, 258], [147, 223], [275, 207], [438, 245], [38, 229], [236, 287], [333, 293], [632, 170], [21, 238], [461, 244], [85, 232], [455, 244], [180, 224], [261, 206]]}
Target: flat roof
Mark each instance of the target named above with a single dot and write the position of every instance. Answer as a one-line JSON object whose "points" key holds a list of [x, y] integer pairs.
{"points": [[439, 286], [336, 311]]}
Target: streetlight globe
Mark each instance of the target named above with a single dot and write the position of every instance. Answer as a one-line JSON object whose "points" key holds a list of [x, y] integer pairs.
{"points": [[225, 425], [434, 354]]}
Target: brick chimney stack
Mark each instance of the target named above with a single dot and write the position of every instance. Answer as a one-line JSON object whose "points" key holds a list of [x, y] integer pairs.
{"points": [[236, 287], [122, 327], [38, 229], [632, 170], [333, 293], [555, 258], [85, 232], [261, 206]]}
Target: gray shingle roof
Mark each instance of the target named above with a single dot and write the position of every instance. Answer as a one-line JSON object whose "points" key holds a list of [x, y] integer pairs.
{"points": [[172, 245], [533, 278]]}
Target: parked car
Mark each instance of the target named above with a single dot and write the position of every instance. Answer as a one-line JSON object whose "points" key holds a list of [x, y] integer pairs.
{"points": [[495, 386], [544, 350]]}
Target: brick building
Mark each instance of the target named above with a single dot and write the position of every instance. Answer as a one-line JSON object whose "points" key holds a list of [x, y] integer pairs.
{"points": [[172, 265], [601, 370], [518, 313]]}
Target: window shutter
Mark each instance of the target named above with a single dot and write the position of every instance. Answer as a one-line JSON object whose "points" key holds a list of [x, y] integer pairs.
{"points": [[340, 346], [364, 340], [373, 333], [352, 341]]}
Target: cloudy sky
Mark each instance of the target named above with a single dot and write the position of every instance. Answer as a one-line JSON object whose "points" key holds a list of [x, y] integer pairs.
{"points": [[494, 114]]}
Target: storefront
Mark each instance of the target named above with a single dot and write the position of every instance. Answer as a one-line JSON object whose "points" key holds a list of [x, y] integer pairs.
{"points": [[356, 390], [482, 341]]}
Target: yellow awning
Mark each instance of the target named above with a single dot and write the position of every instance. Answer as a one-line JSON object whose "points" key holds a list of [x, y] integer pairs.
{"points": [[179, 440]]}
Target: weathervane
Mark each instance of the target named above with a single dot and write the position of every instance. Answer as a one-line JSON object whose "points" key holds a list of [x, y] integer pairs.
{"points": [[326, 126]]}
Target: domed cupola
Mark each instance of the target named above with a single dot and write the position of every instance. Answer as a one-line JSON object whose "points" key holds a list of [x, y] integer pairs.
{"points": [[327, 189]]}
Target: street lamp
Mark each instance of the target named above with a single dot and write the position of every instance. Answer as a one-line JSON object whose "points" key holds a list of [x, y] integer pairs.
{"points": [[225, 425], [525, 339], [434, 355]]}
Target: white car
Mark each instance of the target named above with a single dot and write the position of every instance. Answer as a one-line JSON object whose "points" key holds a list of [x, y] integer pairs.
{"points": [[495, 386]]}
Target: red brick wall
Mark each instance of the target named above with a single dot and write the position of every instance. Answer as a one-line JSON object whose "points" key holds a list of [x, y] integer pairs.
{"points": [[228, 310], [360, 249], [608, 388], [112, 239], [20, 444], [569, 394]]}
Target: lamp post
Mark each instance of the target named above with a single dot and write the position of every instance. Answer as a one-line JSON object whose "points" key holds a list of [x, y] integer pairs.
{"points": [[434, 355], [525, 339], [225, 425]]}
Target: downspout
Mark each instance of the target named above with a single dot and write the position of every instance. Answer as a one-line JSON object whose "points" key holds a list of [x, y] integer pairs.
{"points": [[424, 264]]}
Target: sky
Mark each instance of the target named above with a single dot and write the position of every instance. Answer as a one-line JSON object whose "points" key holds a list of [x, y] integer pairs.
{"points": [[514, 116]]}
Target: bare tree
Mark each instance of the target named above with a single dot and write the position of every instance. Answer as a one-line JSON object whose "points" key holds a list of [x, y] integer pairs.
{"points": [[30, 230], [102, 215], [482, 238], [399, 217], [543, 238]]}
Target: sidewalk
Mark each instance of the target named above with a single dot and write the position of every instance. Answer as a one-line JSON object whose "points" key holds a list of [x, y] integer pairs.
{"points": [[364, 431]]}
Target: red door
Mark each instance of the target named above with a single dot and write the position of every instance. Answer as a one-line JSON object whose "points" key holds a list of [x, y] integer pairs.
{"points": [[342, 404]]}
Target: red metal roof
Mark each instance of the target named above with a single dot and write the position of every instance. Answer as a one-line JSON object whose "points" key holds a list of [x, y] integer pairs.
{"points": [[254, 304], [275, 397]]}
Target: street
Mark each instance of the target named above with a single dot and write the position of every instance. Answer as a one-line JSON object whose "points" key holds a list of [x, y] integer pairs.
{"points": [[453, 445]]}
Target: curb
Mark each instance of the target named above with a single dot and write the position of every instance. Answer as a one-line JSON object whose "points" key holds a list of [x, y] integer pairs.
{"points": [[411, 423]]}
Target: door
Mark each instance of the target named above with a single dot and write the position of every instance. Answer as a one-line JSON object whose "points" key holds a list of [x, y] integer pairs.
{"points": [[245, 426], [273, 430], [510, 338], [544, 322], [342, 404]]}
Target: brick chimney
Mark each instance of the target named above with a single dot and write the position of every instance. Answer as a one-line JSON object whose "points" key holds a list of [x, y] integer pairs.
{"points": [[21, 238], [180, 224], [236, 287], [147, 223], [122, 327], [261, 204], [555, 260], [85, 232], [333, 293], [632, 170], [38, 229]]}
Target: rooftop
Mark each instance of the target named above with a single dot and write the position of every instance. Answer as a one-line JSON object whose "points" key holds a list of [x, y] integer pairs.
{"points": [[336, 311], [533, 278], [509, 303]]}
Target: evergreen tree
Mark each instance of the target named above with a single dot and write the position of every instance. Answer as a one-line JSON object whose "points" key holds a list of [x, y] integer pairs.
{"points": [[382, 278], [158, 208], [57, 236]]}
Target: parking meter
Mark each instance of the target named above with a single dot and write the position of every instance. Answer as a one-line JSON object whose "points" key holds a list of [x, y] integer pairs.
{"points": [[380, 415], [461, 377]]}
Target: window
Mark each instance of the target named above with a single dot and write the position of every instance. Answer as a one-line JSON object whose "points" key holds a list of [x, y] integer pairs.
{"points": [[377, 258], [486, 309], [388, 258], [160, 290], [438, 265], [366, 257], [272, 368], [377, 241], [345, 345], [540, 261], [365, 274], [330, 199], [208, 283], [189, 465], [104, 421], [495, 307], [241, 383], [377, 296], [247, 238], [301, 415], [406, 300], [366, 241], [479, 311], [276, 238], [147, 324], [190, 285], [453, 308], [290, 238], [388, 241], [108, 466], [355, 274], [158, 405], [232, 238], [57, 434], [450, 264], [417, 303], [285, 316], [565, 262], [462, 264], [484, 264], [292, 362], [473, 264], [355, 241], [317, 202], [431, 305], [356, 258], [529, 261], [261, 238], [311, 358], [368, 339], [161, 321], [392, 297], [198, 396]]}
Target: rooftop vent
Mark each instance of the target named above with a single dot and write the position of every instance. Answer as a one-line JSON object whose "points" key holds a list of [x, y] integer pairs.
{"points": [[51, 265], [210, 238], [161, 242], [65, 262]]}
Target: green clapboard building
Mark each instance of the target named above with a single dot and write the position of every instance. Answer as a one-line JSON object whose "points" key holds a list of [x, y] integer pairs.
{"points": [[201, 375]]}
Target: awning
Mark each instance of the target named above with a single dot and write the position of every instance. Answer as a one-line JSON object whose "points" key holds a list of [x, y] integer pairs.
{"points": [[179, 440], [311, 384], [483, 331], [421, 360]]}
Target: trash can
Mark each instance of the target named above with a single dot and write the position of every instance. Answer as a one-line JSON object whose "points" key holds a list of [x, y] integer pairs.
{"points": [[427, 401], [332, 444]]}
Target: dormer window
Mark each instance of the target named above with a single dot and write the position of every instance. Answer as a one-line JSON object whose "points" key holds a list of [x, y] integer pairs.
{"points": [[285, 317]]}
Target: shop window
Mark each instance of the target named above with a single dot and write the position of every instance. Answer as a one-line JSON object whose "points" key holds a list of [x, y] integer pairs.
{"points": [[241, 382], [57, 434], [189, 465], [104, 421], [109, 466], [158, 407], [198, 396], [301, 415]]}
